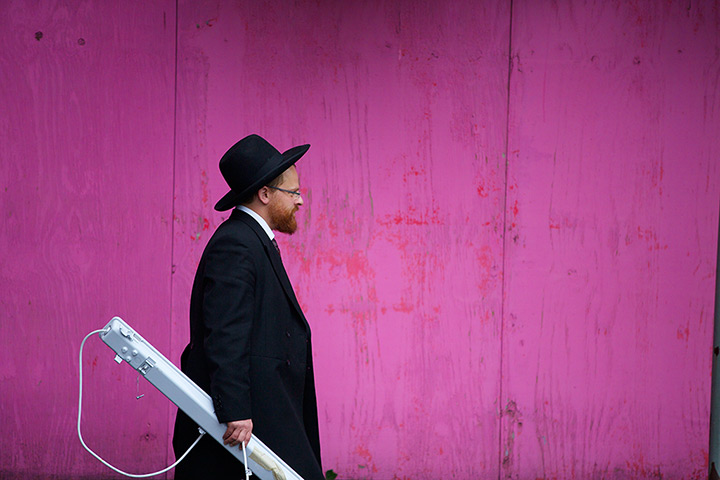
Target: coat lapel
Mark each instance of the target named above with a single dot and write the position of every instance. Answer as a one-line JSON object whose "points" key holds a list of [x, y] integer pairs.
{"points": [[275, 261]]}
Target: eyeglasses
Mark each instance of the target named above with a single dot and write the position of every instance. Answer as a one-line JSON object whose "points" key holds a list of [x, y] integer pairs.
{"points": [[291, 192]]}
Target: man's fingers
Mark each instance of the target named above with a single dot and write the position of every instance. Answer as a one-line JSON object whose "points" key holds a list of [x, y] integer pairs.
{"points": [[228, 433], [238, 432], [241, 437], [236, 437]]}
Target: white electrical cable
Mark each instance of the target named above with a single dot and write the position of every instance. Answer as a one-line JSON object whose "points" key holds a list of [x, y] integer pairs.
{"points": [[145, 475], [248, 472]]}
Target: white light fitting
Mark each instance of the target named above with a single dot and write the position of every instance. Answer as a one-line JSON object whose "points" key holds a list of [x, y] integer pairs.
{"points": [[191, 399]]}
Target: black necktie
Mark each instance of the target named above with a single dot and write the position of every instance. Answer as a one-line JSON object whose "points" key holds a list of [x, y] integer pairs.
{"points": [[274, 242]]}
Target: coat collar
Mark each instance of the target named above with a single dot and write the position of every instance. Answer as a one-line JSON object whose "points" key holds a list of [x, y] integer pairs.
{"points": [[274, 258]]}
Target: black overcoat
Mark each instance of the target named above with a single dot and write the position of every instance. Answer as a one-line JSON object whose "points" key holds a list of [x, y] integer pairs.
{"points": [[250, 349]]}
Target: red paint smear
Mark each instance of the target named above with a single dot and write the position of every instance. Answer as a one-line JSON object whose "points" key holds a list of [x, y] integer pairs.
{"points": [[486, 186], [484, 257], [645, 233], [363, 452], [357, 265], [639, 468], [650, 236], [204, 186], [359, 321], [403, 307], [683, 333], [413, 172], [412, 216], [481, 191], [565, 223], [327, 224], [372, 295]]}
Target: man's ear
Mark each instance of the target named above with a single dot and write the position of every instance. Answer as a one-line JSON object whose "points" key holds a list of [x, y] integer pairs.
{"points": [[264, 195]]}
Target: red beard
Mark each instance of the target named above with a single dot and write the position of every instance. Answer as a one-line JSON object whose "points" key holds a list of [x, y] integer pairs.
{"points": [[281, 219]]}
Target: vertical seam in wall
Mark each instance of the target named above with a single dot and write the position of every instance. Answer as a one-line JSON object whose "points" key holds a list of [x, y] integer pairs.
{"points": [[504, 250], [172, 203]]}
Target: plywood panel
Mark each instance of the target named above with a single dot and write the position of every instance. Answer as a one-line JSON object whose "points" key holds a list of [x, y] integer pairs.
{"points": [[398, 258], [613, 199], [554, 325], [86, 95]]}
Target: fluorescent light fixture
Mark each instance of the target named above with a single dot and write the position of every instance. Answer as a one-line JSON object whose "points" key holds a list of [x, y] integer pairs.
{"points": [[191, 399]]}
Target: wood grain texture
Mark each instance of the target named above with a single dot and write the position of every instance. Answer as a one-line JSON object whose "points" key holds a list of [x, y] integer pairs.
{"points": [[607, 339], [506, 252], [400, 281], [86, 100]]}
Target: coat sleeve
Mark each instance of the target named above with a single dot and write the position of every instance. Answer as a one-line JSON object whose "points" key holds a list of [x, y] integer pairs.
{"points": [[228, 303]]}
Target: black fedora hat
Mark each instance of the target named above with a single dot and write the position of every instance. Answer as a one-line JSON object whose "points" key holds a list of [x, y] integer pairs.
{"points": [[250, 164]]}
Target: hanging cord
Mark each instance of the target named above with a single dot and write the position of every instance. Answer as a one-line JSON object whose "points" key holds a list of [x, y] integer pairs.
{"points": [[145, 475], [248, 472]]}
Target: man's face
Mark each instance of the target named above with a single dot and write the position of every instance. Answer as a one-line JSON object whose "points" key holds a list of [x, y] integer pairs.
{"points": [[283, 205]]}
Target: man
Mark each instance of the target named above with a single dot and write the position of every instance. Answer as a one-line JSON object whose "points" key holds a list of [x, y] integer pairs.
{"points": [[249, 341]]}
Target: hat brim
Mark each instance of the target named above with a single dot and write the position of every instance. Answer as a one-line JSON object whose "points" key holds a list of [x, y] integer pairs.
{"points": [[274, 167]]}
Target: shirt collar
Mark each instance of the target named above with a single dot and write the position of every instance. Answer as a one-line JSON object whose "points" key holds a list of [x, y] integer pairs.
{"points": [[258, 219]]}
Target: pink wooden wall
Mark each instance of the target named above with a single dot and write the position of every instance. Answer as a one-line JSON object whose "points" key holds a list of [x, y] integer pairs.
{"points": [[507, 249]]}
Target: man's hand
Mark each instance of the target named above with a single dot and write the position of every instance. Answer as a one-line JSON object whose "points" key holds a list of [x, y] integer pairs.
{"points": [[238, 431]]}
